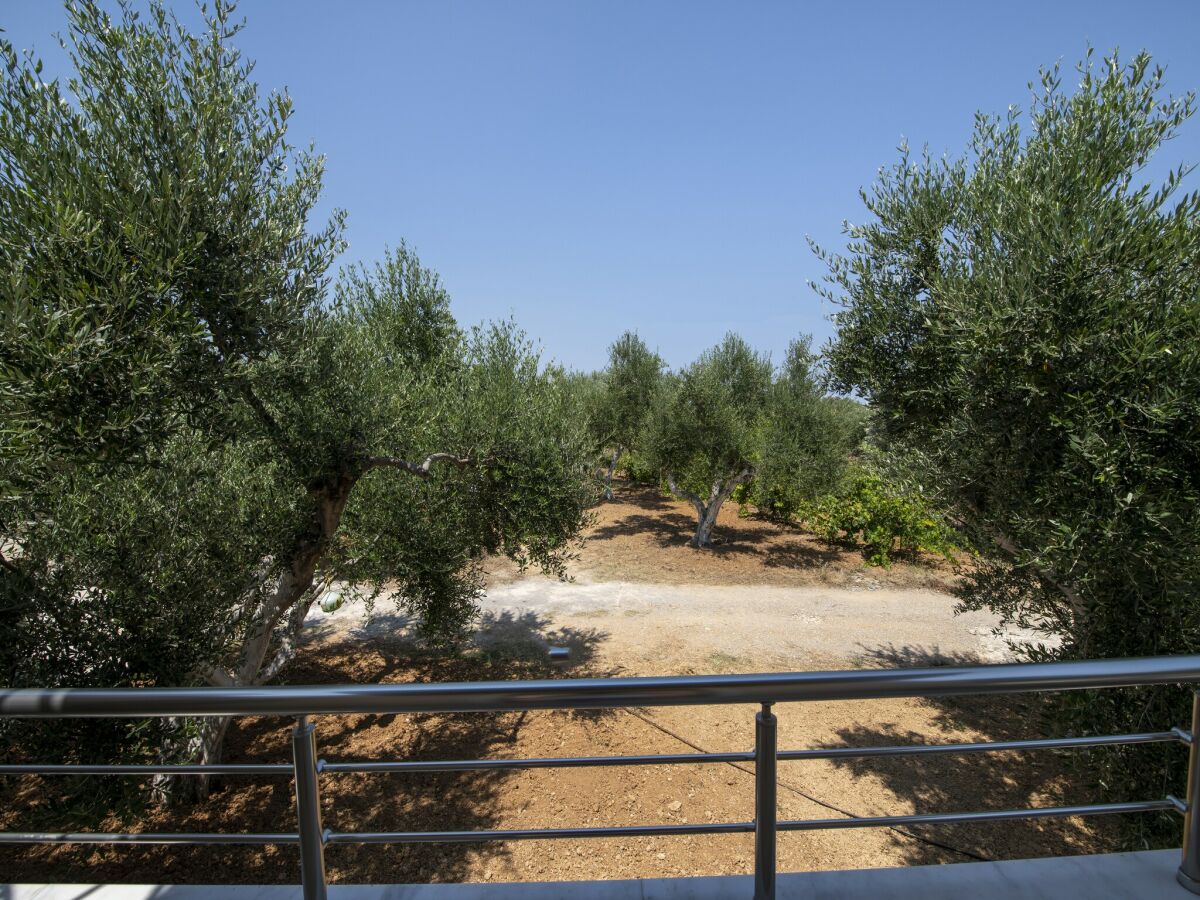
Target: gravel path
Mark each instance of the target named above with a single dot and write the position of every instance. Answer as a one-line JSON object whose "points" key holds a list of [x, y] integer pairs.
{"points": [[656, 628]]}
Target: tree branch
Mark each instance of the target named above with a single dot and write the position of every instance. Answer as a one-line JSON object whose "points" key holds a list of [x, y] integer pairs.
{"points": [[724, 487], [685, 494], [1008, 545], [14, 608], [8, 565], [421, 470], [269, 421]]}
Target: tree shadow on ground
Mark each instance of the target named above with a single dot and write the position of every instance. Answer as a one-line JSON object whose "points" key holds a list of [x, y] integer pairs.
{"points": [[975, 781], [646, 496], [529, 635], [668, 529], [775, 549], [352, 802]]}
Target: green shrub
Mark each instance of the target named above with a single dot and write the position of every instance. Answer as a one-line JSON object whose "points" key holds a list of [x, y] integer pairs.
{"points": [[881, 517]]}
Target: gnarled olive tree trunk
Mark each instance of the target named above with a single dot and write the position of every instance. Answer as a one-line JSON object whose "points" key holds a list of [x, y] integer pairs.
{"points": [[278, 622], [707, 510], [284, 610]]}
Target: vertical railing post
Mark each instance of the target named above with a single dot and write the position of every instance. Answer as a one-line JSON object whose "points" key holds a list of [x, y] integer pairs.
{"points": [[766, 741], [308, 810], [1189, 867]]}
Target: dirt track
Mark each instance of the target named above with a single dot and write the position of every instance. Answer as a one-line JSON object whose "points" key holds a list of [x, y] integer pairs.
{"points": [[663, 629], [766, 597]]}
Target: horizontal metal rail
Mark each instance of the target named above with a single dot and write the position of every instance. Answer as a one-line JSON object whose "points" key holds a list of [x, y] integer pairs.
{"points": [[598, 693], [570, 762], [535, 834], [139, 769], [148, 837], [618, 831], [1003, 815], [550, 762], [1149, 737]]}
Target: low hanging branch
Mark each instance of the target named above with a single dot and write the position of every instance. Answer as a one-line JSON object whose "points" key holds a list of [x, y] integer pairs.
{"points": [[294, 596], [730, 484], [421, 470], [1069, 592], [279, 617]]}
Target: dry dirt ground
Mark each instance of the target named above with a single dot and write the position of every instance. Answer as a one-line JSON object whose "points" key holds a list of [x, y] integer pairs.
{"points": [[767, 599]]}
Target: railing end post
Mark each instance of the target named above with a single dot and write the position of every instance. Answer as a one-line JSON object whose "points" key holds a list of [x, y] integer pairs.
{"points": [[1189, 864]]}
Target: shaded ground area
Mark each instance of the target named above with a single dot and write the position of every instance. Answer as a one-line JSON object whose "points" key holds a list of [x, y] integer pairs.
{"points": [[642, 536], [761, 629]]}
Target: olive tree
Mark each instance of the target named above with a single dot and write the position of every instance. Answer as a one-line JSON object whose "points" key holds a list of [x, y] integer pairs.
{"points": [[157, 257], [398, 450], [300, 438], [806, 439], [1025, 319], [704, 434], [624, 399], [730, 419], [154, 237]]}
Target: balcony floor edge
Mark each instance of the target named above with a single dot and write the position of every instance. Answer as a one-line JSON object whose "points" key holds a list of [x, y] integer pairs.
{"points": [[1119, 876]]}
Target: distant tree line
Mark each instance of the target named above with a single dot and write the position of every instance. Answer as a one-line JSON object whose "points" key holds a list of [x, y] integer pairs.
{"points": [[735, 426]]}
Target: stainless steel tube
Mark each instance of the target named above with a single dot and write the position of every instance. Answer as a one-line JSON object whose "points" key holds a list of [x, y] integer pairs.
{"points": [[550, 762], [567, 762], [142, 837], [139, 769], [520, 834], [1148, 737], [308, 810], [766, 808], [599, 693], [1189, 866], [535, 834], [998, 815]]}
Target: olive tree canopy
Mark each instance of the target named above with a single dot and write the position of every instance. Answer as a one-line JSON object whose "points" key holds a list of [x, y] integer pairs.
{"points": [[202, 436], [1026, 320], [156, 240], [624, 398]]}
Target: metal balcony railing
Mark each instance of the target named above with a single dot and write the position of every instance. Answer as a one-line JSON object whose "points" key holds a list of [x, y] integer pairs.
{"points": [[596, 693]]}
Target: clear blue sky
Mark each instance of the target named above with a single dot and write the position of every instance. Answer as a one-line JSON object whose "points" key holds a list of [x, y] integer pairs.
{"points": [[590, 167]]}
